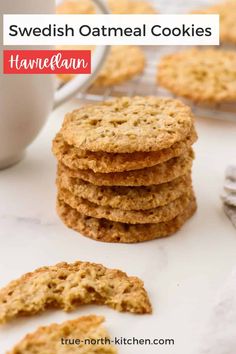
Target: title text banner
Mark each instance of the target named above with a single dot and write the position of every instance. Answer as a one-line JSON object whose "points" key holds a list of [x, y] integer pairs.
{"points": [[111, 30]]}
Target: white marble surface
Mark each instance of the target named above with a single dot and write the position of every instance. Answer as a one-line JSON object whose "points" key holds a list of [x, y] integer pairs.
{"points": [[182, 273]]}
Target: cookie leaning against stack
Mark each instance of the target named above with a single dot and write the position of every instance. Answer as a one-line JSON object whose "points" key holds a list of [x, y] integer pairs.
{"points": [[124, 169]]}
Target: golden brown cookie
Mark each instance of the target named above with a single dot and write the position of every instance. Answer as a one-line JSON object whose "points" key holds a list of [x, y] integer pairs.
{"points": [[48, 340], [67, 286], [128, 124], [122, 64], [163, 213], [227, 11], [161, 173], [126, 198], [116, 7], [137, 7], [68, 7], [203, 76], [110, 231], [107, 162]]}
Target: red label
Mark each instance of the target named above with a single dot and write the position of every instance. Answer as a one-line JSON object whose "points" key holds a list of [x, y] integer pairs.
{"points": [[47, 62]]}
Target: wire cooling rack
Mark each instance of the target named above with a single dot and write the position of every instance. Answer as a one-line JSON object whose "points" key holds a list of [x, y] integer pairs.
{"points": [[146, 84]]}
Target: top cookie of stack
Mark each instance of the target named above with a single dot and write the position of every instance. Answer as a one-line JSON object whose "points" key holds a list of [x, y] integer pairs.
{"points": [[130, 143], [125, 134]]}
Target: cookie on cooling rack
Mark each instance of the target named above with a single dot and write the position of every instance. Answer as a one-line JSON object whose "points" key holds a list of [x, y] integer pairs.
{"points": [[82, 7], [206, 77], [227, 11], [115, 6], [122, 64], [131, 7]]}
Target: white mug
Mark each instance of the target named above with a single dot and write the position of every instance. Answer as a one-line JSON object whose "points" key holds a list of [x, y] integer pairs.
{"points": [[26, 100]]}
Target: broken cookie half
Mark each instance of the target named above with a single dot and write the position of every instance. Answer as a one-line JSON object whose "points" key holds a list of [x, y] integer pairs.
{"points": [[83, 335], [67, 286]]}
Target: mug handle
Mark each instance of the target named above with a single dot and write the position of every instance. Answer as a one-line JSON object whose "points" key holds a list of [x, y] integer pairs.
{"points": [[82, 82]]}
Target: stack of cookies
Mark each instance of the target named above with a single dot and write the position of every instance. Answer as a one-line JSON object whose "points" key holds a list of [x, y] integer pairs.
{"points": [[124, 169]]}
